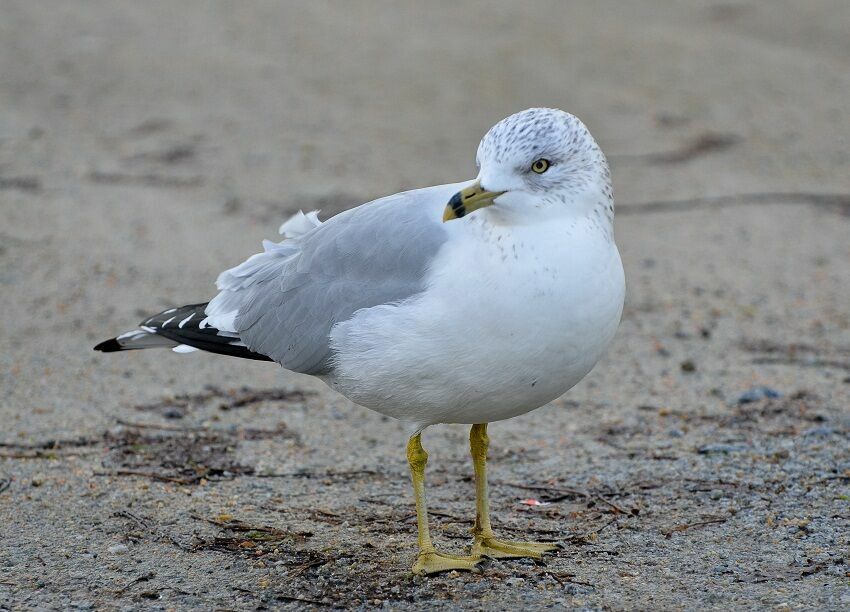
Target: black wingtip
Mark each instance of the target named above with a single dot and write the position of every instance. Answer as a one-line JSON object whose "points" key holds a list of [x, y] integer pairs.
{"points": [[108, 346]]}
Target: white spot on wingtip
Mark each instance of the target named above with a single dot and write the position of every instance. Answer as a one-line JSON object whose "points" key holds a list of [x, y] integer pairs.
{"points": [[184, 348], [168, 321], [186, 320], [132, 335]]}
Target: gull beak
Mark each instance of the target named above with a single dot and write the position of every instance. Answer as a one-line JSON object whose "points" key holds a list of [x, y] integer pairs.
{"points": [[467, 200]]}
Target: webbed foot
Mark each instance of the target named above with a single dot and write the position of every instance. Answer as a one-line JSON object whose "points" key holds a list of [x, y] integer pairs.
{"points": [[433, 562], [488, 546]]}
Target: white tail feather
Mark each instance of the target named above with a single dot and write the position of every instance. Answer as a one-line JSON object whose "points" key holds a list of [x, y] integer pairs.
{"points": [[299, 224]]}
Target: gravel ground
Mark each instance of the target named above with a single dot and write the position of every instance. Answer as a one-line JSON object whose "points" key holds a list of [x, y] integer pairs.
{"points": [[146, 146]]}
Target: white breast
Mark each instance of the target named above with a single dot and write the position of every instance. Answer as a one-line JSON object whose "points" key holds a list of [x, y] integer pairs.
{"points": [[513, 318]]}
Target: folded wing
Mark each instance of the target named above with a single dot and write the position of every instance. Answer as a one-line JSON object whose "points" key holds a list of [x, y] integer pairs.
{"points": [[284, 301]]}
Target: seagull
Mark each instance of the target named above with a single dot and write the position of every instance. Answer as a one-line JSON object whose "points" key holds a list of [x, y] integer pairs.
{"points": [[465, 303]]}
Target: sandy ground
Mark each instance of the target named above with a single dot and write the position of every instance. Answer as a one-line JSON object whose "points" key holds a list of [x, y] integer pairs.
{"points": [[146, 146]]}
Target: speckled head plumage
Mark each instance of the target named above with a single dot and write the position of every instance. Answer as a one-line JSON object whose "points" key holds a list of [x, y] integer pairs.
{"points": [[535, 160], [516, 142]]}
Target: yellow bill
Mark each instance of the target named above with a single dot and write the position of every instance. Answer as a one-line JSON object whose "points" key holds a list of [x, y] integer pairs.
{"points": [[468, 200]]}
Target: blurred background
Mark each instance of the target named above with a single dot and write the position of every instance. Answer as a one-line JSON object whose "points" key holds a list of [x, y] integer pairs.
{"points": [[146, 146]]}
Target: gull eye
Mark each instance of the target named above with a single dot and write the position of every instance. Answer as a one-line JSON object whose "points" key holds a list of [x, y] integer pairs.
{"points": [[540, 166]]}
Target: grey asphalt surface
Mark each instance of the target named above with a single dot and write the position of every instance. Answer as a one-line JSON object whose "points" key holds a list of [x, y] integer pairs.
{"points": [[144, 147]]}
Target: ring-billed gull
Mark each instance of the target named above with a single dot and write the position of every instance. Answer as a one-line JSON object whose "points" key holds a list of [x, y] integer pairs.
{"points": [[481, 319]]}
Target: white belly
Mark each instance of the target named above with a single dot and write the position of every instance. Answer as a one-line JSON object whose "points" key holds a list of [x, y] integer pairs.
{"points": [[506, 326]]}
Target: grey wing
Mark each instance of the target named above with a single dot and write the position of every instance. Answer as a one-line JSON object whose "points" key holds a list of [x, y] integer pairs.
{"points": [[284, 302]]}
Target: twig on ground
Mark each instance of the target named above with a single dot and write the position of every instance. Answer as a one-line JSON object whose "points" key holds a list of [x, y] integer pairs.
{"points": [[160, 427], [685, 526], [250, 434], [569, 578], [566, 493], [324, 512], [52, 444], [410, 517], [148, 526], [711, 484], [599, 530], [610, 503], [555, 578], [328, 474], [45, 454], [234, 524], [137, 519], [297, 571], [230, 398], [254, 397], [255, 533], [135, 581], [151, 475], [315, 602]]}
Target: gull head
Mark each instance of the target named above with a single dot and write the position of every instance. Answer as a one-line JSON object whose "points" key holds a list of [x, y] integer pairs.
{"points": [[536, 164]]}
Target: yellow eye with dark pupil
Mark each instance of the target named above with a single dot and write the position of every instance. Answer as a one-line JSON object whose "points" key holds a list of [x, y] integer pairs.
{"points": [[540, 166]]}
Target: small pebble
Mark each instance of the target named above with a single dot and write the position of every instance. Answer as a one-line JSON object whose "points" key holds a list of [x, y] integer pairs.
{"points": [[118, 549], [757, 394]]}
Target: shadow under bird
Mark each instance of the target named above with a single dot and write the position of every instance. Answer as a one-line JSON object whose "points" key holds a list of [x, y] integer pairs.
{"points": [[464, 303]]}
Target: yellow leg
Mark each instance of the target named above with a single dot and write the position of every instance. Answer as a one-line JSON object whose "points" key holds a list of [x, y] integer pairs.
{"points": [[429, 560], [485, 543]]}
